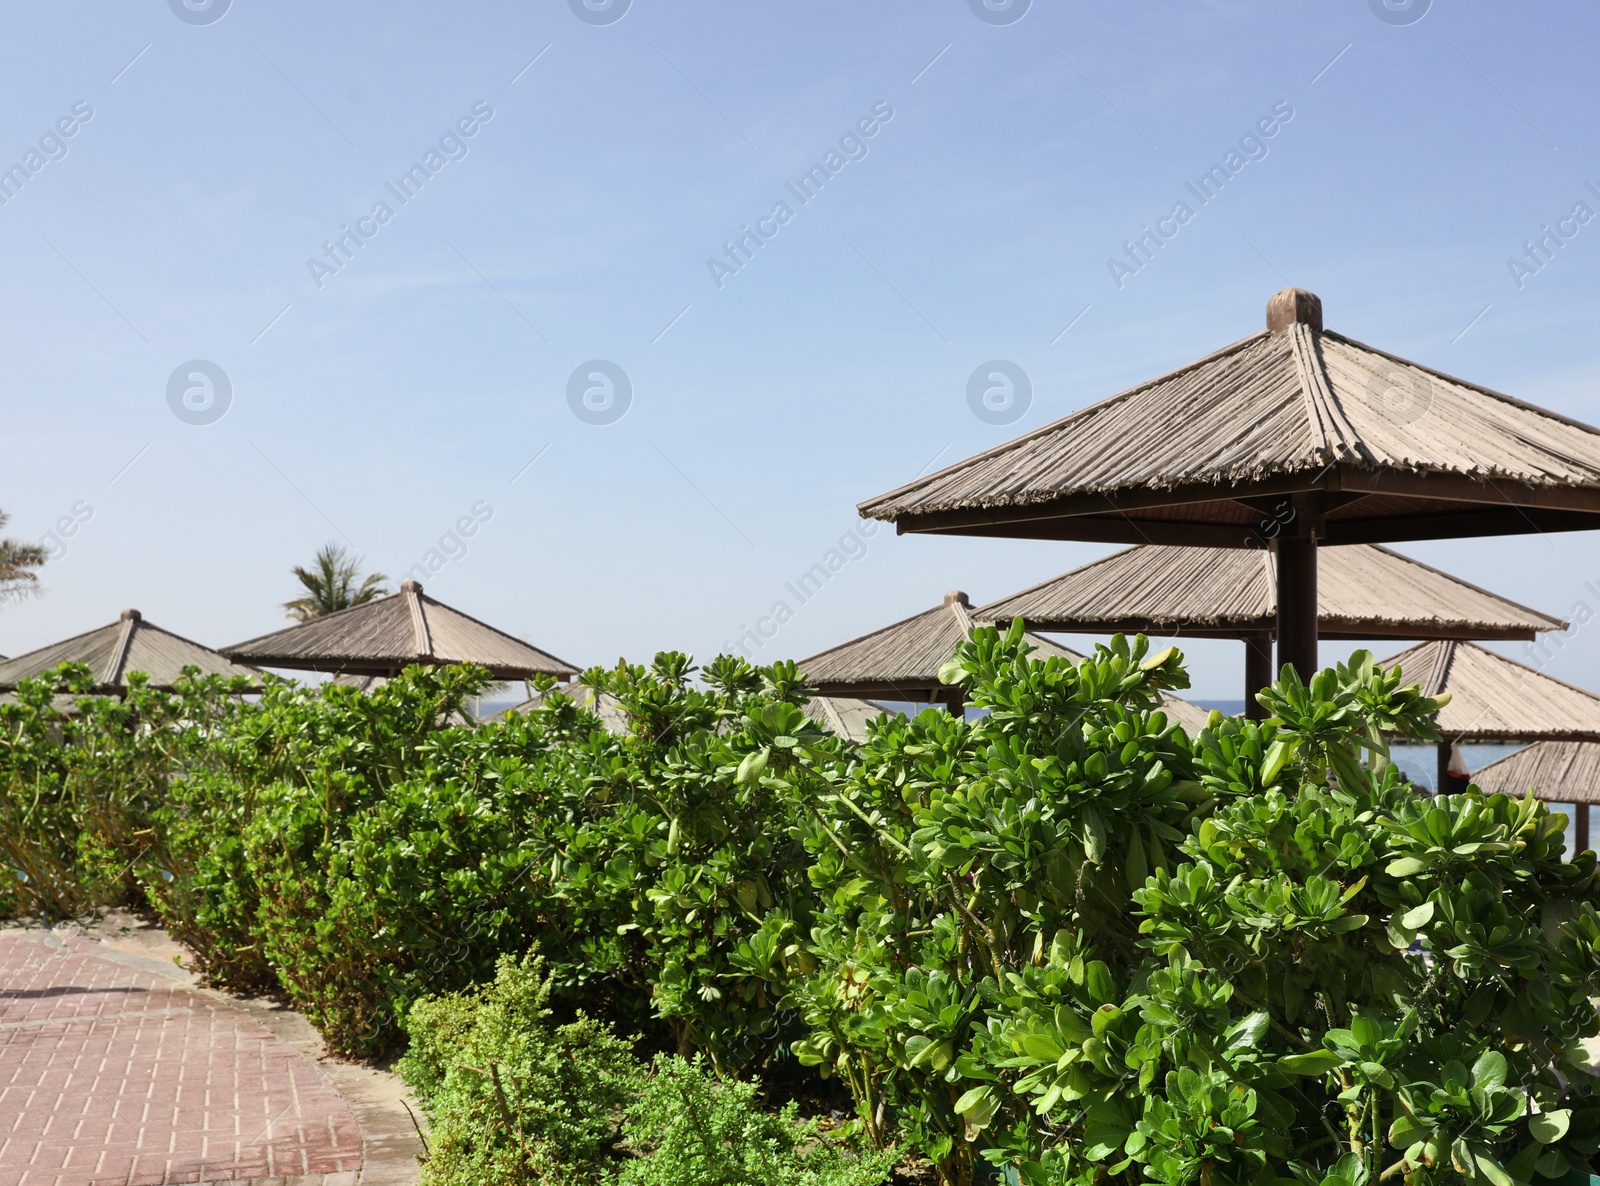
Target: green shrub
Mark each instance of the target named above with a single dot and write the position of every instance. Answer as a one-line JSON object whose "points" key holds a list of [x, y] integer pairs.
{"points": [[200, 883], [511, 1098], [1069, 939], [699, 1130], [80, 778], [1066, 938]]}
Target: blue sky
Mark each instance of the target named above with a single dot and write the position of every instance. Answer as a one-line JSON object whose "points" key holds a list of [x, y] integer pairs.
{"points": [[381, 403]]}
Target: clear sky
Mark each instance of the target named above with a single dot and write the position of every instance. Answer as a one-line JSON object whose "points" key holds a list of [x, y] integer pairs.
{"points": [[396, 355]]}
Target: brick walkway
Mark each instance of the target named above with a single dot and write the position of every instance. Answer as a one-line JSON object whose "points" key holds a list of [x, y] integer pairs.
{"points": [[110, 1073]]}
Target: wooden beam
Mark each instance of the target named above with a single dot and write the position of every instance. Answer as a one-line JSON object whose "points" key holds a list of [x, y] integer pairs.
{"points": [[1126, 500], [1341, 630], [1486, 508], [884, 690], [1459, 488], [1110, 529], [1257, 674], [1297, 591], [1469, 522]]}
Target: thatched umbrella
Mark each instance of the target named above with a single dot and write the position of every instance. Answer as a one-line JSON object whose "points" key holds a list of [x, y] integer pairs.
{"points": [[385, 636], [1294, 437], [902, 662], [1496, 699], [1364, 591], [844, 716], [1563, 771], [126, 645]]}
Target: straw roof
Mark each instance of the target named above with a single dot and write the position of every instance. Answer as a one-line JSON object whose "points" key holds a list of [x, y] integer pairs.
{"points": [[1364, 591], [1396, 449], [844, 716], [128, 644], [1498, 699], [1562, 771], [384, 636], [902, 661]]}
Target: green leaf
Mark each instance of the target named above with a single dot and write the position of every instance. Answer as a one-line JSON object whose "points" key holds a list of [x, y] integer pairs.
{"points": [[1248, 1031], [1278, 755], [1315, 1063], [1404, 1130], [1552, 1163], [1490, 1168], [971, 1099], [1101, 988], [1549, 1127], [751, 768], [1417, 917], [1490, 1070], [1405, 867]]}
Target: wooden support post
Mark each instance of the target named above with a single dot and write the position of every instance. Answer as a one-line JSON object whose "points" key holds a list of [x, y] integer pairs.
{"points": [[1257, 674], [954, 701], [1581, 839], [1442, 780], [1297, 603]]}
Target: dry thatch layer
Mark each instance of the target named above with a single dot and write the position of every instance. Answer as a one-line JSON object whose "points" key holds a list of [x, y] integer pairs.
{"points": [[128, 644], [844, 716], [902, 661], [1561, 771], [382, 637], [1498, 699], [1364, 592], [1292, 407]]}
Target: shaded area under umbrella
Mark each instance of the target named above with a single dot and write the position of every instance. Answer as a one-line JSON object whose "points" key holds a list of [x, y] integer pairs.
{"points": [[1363, 592]]}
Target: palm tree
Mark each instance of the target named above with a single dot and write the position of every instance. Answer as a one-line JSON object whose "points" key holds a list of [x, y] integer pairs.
{"points": [[17, 562], [333, 583]]}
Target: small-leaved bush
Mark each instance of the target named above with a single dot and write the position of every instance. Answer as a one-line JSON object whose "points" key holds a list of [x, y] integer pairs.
{"points": [[509, 1096], [693, 1130]]}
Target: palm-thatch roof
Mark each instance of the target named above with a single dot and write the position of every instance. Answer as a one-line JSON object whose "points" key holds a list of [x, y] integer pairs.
{"points": [[383, 637], [1364, 591], [844, 716], [126, 645], [1498, 699], [1383, 448], [1562, 771], [902, 661]]}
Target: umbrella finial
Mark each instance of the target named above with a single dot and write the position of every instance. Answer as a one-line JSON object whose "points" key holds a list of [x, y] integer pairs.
{"points": [[1294, 306], [957, 597], [411, 586], [132, 615]]}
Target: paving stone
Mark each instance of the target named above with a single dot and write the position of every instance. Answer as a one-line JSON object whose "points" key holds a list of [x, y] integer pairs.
{"points": [[113, 1074]]}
